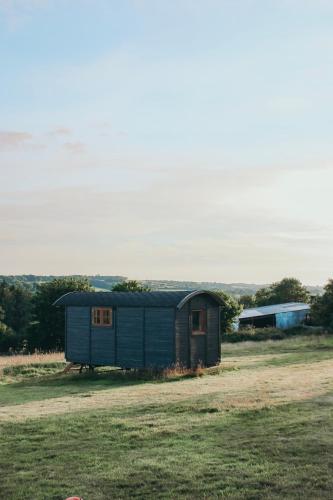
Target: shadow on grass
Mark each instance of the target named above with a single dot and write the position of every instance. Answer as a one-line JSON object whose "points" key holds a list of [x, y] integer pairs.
{"points": [[36, 385], [57, 385]]}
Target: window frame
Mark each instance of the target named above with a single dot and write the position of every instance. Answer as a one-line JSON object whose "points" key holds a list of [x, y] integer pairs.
{"points": [[202, 322], [101, 311]]}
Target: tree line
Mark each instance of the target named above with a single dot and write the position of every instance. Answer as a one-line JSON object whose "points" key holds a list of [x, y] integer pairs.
{"points": [[292, 290], [29, 321]]}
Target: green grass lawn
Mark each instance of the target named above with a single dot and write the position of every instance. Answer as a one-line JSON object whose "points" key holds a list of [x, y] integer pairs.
{"points": [[37, 382], [299, 345], [56, 385], [189, 449]]}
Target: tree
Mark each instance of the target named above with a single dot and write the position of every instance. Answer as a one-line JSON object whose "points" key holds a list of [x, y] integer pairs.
{"points": [[16, 315], [286, 290], [7, 336], [48, 331], [322, 307], [247, 301], [230, 310], [21, 313], [130, 286], [8, 339]]}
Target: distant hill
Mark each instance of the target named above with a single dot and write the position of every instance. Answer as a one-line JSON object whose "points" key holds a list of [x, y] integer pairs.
{"points": [[105, 283], [232, 288]]}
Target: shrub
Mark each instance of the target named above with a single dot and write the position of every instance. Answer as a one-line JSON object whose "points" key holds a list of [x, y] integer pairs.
{"points": [[269, 333]]}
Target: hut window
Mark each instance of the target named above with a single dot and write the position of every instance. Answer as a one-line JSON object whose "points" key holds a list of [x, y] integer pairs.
{"points": [[199, 323], [102, 316]]}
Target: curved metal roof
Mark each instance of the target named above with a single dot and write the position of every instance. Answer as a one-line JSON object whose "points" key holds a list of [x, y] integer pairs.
{"points": [[132, 299], [273, 309]]}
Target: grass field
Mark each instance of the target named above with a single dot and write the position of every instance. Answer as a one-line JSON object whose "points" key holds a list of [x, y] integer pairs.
{"points": [[262, 427]]}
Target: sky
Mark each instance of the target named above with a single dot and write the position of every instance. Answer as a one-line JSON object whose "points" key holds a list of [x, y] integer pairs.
{"points": [[186, 140]]}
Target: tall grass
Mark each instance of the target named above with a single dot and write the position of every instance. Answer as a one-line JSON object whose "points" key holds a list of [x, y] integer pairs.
{"points": [[31, 359]]}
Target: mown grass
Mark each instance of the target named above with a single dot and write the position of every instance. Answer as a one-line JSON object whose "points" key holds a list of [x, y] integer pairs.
{"points": [[271, 333], [289, 351], [22, 384], [57, 386], [35, 382], [190, 450], [313, 343]]}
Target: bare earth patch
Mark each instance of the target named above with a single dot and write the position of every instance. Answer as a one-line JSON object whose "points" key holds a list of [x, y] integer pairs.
{"points": [[237, 389]]}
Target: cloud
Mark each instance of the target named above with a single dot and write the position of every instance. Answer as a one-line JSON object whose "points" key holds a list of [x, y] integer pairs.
{"points": [[10, 141], [22, 4], [60, 131], [74, 147], [185, 221], [17, 12], [104, 125], [217, 225]]}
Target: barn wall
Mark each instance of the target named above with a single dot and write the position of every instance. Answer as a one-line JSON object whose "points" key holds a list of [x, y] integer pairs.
{"points": [[290, 319], [78, 334], [159, 336]]}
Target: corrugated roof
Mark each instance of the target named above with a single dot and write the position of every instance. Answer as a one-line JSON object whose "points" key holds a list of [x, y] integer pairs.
{"points": [[131, 299], [273, 309]]}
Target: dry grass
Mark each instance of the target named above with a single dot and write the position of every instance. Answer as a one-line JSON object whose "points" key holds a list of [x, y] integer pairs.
{"points": [[243, 389], [30, 359], [179, 370], [260, 426]]}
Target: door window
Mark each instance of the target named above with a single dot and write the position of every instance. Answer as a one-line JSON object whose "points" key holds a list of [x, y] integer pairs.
{"points": [[199, 322]]}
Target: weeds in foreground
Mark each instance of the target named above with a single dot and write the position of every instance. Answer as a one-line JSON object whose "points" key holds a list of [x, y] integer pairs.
{"points": [[31, 359], [174, 372]]}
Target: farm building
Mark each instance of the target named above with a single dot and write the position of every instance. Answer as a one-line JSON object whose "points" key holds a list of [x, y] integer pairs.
{"points": [[142, 329], [279, 315]]}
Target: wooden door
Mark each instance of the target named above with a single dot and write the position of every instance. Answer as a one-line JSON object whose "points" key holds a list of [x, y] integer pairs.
{"points": [[198, 350]]}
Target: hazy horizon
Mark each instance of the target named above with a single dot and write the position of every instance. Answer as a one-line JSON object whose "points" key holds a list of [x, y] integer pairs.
{"points": [[184, 139], [164, 279]]}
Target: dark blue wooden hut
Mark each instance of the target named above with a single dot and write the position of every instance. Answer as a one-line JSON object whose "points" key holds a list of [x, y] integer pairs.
{"points": [[142, 329]]}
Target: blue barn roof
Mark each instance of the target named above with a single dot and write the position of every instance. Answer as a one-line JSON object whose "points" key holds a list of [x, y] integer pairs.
{"points": [[131, 299], [273, 309]]}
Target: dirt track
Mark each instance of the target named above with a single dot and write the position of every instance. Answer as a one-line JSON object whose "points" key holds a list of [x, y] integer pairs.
{"points": [[247, 388]]}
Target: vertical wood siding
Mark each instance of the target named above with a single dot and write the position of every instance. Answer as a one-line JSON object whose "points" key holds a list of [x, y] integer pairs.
{"points": [[144, 337], [182, 336], [213, 336], [159, 337], [78, 333], [198, 343], [130, 323], [192, 349], [103, 345], [198, 350]]}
